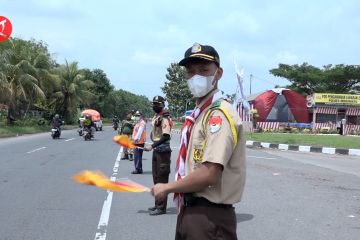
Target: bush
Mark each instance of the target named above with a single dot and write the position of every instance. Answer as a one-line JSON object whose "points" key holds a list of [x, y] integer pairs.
{"points": [[294, 130], [306, 131]]}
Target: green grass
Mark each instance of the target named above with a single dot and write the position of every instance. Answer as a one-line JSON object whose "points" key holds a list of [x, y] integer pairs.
{"points": [[178, 125], [11, 131], [306, 139]]}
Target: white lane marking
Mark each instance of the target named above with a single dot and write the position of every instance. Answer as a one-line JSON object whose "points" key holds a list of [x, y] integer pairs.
{"points": [[105, 212], [38, 149], [69, 139], [261, 157]]}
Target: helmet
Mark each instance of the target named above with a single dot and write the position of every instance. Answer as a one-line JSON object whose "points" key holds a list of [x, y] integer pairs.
{"points": [[57, 116], [137, 113], [158, 100]]}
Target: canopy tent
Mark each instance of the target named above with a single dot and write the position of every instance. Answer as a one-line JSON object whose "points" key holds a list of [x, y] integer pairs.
{"points": [[95, 115], [281, 105]]}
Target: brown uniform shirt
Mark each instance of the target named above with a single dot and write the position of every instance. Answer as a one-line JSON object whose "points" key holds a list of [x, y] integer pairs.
{"points": [[157, 130], [215, 144]]}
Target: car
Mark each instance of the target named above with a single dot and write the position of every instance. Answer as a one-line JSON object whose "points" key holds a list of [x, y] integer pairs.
{"points": [[98, 125]]}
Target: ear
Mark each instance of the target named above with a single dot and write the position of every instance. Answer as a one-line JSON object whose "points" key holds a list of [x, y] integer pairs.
{"points": [[218, 75]]}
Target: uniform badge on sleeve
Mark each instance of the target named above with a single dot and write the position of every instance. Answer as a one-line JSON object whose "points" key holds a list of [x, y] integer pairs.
{"points": [[215, 123]]}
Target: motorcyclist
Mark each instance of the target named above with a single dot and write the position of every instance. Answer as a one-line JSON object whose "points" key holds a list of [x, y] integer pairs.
{"points": [[56, 122], [89, 124], [81, 121], [115, 122]]}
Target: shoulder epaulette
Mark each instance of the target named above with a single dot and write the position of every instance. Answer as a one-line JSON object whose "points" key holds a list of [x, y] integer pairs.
{"points": [[217, 103]]}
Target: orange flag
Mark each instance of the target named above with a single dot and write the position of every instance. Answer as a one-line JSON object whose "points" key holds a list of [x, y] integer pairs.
{"points": [[124, 141], [101, 181]]}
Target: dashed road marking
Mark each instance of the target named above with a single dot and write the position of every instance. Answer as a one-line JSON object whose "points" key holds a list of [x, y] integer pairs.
{"points": [[37, 149]]}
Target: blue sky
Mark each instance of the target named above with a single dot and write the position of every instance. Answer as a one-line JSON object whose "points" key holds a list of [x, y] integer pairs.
{"points": [[135, 41]]}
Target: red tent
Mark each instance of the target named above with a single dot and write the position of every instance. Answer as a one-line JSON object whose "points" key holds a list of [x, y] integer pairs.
{"points": [[281, 105]]}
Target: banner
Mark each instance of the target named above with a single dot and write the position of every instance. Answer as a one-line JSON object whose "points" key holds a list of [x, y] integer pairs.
{"points": [[337, 99]]}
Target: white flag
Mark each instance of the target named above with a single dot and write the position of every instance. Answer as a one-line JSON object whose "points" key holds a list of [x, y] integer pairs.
{"points": [[239, 95]]}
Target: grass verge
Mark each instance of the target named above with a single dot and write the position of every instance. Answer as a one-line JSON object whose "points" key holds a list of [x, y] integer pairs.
{"points": [[12, 131], [336, 141]]}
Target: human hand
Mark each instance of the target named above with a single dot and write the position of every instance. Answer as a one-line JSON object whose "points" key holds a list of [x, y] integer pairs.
{"points": [[148, 149], [159, 191]]}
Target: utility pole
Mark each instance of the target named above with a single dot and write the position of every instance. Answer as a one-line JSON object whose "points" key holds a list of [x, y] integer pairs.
{"points": [[250, 82]]}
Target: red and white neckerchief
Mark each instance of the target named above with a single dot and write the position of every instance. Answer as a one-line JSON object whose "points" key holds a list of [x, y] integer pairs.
{"points": [[184, 141]]}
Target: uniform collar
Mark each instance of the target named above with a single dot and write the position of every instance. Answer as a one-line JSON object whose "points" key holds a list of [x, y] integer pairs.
{"points": [[209, 95]]}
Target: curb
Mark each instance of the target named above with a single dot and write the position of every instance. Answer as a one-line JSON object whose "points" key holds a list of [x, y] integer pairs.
{"points": [[175, 131], [286, 147]]}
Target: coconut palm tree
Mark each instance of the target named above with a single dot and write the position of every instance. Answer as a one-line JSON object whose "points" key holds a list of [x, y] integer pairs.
{"points": [[73, 90], [19, 81]]}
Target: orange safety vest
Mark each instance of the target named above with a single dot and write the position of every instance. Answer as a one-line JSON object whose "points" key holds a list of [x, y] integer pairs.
{"points": [[136, 129]]}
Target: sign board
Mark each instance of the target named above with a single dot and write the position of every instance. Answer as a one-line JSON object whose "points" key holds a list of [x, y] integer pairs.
{"points": [[336, 99]]}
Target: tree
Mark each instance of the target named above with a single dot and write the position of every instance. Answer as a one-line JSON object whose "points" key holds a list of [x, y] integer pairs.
{"points": [[308, 79], [73, 90], [101, 88], [176, 90], [120, 102], [23, 65]]}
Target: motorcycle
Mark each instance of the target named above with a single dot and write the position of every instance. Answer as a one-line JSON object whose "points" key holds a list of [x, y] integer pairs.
{"points": [[115, 125], [55, 133], [87, 134], [80, 131]]}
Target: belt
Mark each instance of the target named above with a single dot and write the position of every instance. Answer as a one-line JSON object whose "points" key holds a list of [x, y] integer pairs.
{"points": [[201, 201]]}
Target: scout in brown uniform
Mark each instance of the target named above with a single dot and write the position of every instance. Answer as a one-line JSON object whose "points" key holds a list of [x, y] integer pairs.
{"points": [[210, 168], [160, 136]]}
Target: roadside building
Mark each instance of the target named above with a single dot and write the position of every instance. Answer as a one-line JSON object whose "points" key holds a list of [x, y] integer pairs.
{"points": [[333, 111]]}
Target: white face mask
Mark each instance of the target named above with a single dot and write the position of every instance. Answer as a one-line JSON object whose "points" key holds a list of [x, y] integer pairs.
{"points": [[137, 118], [200, 85]]}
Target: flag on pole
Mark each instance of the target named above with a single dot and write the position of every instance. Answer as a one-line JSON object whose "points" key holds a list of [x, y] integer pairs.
{"points": [[240, 100], [101, 181]]}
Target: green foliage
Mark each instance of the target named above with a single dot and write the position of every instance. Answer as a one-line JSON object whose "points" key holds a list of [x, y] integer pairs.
{"points": [[176, 91], [120, 102], [24, 68], [30, 79], [308, 79], [101, 89], [74, 89]]}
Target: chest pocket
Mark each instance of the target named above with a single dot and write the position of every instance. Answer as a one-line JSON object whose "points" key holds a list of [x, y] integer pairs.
{"points": [[198, 145]]}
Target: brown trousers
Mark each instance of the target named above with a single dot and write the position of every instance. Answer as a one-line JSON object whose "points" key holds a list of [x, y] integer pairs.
{"points": [[160, 171], [206, 222]]}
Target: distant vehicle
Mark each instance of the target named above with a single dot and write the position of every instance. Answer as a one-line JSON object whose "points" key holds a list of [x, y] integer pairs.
{"points": [[95, 117]]}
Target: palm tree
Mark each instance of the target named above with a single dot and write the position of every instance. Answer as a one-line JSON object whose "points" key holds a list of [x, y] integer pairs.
{"points": [[19, 81], [73, 90]]}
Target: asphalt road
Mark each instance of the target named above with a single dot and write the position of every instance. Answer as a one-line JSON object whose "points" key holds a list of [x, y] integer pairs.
{"points": [[288, 195]]}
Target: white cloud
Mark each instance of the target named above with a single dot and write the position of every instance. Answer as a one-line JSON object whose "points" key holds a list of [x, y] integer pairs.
{"points": [[287, 57]]}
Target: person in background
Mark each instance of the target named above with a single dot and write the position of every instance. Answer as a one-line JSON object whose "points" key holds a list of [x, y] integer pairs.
{"points": [[138, 138], [89, 124], [115, 122], [127, 127], [160, 136], [56, 122]]}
